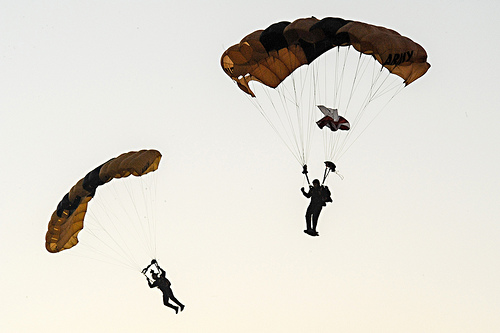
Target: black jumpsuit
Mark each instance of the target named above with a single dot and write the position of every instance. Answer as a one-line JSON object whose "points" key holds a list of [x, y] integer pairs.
{"points": [[163, 284], [314, 209]]}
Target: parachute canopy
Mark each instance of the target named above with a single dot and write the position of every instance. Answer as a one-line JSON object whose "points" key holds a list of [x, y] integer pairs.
{"points": [[269, 56], [67, 220], [353, 71]]}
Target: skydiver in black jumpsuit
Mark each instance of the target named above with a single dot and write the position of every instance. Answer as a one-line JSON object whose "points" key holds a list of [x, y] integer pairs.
{"points": [[319, 196], [161, 282]]}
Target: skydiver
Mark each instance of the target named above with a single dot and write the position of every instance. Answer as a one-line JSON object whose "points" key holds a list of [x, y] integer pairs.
{"points": [[319, 195], [161, 282]]}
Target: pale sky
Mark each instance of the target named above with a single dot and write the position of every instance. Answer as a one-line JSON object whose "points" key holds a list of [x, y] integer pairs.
{"points": [[410, 244]]}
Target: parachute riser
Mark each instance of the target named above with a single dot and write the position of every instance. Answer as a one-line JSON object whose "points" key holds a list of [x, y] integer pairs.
{"points": [[305, 172], [325, 175], [329, 167]]}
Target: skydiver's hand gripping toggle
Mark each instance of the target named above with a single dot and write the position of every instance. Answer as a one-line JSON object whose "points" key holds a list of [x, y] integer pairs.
{"points": [[153, 262], [305, 172]]}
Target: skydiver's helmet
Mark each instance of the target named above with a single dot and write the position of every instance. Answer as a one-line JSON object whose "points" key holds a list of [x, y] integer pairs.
{"points": [[154, 274], [316, 181]]}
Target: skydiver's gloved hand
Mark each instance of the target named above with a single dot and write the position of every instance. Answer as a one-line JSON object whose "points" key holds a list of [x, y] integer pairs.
{"points": [[153, 261]]}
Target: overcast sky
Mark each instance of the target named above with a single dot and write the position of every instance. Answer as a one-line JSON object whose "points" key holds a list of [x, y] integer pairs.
{"points": [[410, 243]]}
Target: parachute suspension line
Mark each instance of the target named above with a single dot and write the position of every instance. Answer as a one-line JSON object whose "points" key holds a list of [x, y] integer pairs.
{"points": [[368, 98], [300, 141], [149, 187], [360, 73], [336, 82], [105, 250], [355, 82], [325, 175], [114, 228], [273, 126], [384, 88], [318, 94], [378, 113], [140, 221], [293, 112], [132, 222], [329, 62], [308, 106], [153, 188], [339, 82], [379, 91], [155, 192], [146, 222], [327, 142], [332, 141], [377, 87], [396, 88], [258, 105], [103, 257], [101, 234], [295, 131], [304, 107], [114, 232], [360, 69]]}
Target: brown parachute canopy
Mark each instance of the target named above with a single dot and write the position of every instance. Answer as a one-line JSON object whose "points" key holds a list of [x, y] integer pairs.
{"points": [[269, 56], [67, 221]]}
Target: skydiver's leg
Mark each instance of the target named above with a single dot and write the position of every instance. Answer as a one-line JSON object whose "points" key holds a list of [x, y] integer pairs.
{"points": [[165, 301], [309, 213], [172, 297], [315, 217]]}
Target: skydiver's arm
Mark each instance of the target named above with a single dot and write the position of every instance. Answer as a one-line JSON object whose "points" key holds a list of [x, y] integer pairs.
{"points": [[306, 194], [146, 269], [151, 284], [162, 272]]}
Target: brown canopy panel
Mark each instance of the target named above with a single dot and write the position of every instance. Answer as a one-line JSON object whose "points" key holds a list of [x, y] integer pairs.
{"points": [[269, 56], [67, 221]]}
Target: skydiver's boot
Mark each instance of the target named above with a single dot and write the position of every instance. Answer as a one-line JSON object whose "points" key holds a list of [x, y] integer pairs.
{"points": [[314, 224], [309, 232]]}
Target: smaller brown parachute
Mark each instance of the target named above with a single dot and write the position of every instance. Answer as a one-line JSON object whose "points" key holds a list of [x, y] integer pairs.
{"points": [[269, 56], [67, 220]]}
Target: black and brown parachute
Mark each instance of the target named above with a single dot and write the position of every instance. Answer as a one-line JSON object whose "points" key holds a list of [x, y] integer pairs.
{"points": [[269, 56], [67, 220]]}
